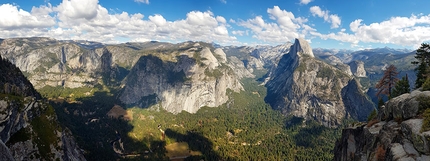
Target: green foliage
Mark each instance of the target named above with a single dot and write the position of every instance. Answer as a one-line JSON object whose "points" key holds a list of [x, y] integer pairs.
{"points": [[325, 72], [216, 73], [372, 115], [401, 87], [380, 103], [423, 102], [44, 128], [302, 67], [421, 75], [65, 92], [426, 85], [423, 57], [257, 132], [426, 122]]}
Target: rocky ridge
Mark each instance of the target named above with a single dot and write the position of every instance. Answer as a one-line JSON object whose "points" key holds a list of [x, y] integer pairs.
{"points": [[305, 87], [29, 129], [396, 133]]}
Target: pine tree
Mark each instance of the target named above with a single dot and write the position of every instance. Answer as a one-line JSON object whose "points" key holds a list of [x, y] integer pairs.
{"points": [[380, 103], [402, 86], [423, 57], [387, 82]]}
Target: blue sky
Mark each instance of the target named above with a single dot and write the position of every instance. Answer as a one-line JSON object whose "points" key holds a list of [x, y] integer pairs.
{"points": [[324, 23]]}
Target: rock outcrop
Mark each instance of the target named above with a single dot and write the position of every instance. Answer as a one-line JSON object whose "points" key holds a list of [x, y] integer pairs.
{"points": [[305, 87], [396, 133], [193, 79], [29, 129], [357, 68]]}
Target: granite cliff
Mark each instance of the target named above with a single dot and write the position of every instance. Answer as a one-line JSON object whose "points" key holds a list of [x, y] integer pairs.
{"points": [[29, 129], [303, 86], [188, 80], [399, 132]]}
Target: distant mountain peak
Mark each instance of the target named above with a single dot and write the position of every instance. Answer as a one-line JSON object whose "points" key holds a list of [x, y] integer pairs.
{"points": [[302, 48]]}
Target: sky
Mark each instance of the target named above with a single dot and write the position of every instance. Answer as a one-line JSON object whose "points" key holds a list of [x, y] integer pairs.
{"points": [[331, 24]]}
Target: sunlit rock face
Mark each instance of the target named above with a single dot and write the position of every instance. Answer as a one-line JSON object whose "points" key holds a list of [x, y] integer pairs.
{"points": [[357, 68], [395, 134], [196, 78], [306, 87]]}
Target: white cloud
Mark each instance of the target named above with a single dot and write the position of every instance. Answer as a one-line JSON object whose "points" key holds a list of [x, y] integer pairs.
{"points": [[201, 18], [70, 22], [305, 1], [354, 25], [286, 28], [405, 31], [221, 19], [238, 32], [335, 21], [284, 18], [221, 30], [224, 1], [142, 1], [12, 18], [157, 20], [332, 18], [77, 9]]}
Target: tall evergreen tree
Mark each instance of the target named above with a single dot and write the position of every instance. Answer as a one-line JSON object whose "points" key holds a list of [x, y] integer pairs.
{"points": [[423, 61], [387, 82], [401, 87]]}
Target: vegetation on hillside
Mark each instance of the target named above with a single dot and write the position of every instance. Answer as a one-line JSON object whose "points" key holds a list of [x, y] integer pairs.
{"points": [[245, 128], [401, 87]]}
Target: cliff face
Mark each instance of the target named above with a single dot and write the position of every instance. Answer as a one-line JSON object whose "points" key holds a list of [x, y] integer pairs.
{"points": [[186, 81], [396, 134], [305, 87], [56, 63], [28, 126], [357, 68]]}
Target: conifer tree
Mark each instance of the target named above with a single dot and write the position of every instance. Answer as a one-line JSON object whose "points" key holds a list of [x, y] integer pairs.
{"points": [[423, 61], [402, 86], [387, 82]]}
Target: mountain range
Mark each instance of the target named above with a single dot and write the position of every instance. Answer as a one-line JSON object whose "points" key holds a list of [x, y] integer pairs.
{"points": [[325, 86]]}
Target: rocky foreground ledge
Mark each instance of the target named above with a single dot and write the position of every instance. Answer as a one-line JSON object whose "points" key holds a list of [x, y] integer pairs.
{"points": [[396, 134]]}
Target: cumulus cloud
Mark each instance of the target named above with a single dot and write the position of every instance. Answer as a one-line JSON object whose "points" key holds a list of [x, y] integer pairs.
{"points": [[286, 28], [221, 19], [12, 18], [69, 21], [157, 20], [77, 9], [201, 18], [406, 31], [331, 18], [305, 1], [142, 1]]}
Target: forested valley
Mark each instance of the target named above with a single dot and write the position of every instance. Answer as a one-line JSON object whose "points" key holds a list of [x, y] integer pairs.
{"points": [[244, 128]]}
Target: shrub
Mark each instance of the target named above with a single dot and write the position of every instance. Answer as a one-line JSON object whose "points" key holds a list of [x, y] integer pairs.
{"points": [[372, 115], [426, 85], [423, 102], [426, 121]]}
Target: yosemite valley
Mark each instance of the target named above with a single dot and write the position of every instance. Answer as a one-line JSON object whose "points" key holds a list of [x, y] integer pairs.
{"points": [[196, 100]]}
